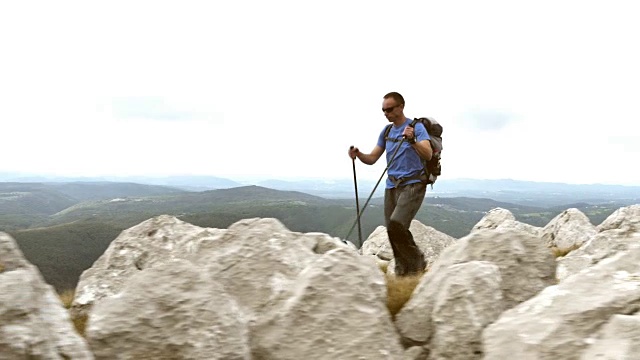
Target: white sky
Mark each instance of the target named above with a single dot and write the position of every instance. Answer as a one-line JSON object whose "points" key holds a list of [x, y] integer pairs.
{"points": [[528, 90]]}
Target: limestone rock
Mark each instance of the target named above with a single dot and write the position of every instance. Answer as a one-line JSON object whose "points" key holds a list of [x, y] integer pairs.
{"points": [[619, 338], [416, 353], [625, 220], [569, 229], [558, 322], [334, 310], [253, 256], [170, 311], [377, 244], [451, 309], [525, 266], [601, 246], [494, 218], [469, 300], [503, 219], [33, 322], [256, 260], [321, 243], [619, 232], [147, 244]]}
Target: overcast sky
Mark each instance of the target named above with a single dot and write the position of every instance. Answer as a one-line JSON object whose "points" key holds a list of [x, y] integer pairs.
{"points": [[528, 90]]}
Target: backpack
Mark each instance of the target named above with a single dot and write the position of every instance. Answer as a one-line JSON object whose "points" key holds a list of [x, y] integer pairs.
{"points": [[432, 167]]}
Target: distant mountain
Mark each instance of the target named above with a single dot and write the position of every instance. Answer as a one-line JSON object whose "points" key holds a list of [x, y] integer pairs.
{"points": [[81, 191], [185, 182], [184, 203], [35, 178], [25, 204], [482, 204], [32, 199], [541, 193], [192, 183], [528, 193], [334, 189], [508, 185]]}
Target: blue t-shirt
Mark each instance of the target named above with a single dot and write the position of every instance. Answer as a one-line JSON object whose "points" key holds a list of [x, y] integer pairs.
{"points": [[407, 161]]}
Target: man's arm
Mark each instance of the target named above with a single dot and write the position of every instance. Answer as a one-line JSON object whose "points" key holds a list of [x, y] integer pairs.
{"points": [[422, 145], [423, 148], [368, 159]]}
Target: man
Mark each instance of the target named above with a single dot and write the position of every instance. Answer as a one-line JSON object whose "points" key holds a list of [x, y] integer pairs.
{"points": [[405, 186]]}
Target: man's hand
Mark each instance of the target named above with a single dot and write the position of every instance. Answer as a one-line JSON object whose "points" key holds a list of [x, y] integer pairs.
{"points": [[353, 151], [408, 132]]}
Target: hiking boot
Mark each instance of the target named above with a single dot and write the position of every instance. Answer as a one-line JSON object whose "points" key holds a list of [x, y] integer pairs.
{"points": [[399, 268], [418, 266]]}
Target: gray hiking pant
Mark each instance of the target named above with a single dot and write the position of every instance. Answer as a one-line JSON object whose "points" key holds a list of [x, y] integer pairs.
{"points": [[401, 205]]}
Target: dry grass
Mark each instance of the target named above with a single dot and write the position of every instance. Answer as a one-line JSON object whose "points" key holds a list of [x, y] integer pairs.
{"points": [[399, 291], [1, 267], [80, 323], [383, 266], [67, 297], [558, 252]]}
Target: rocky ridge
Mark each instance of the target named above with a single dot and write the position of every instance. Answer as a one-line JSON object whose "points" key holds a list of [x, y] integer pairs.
{"points": [[166, 289]]}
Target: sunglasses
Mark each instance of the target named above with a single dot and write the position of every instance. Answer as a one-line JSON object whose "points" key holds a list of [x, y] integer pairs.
{"points": [[389, 109]]}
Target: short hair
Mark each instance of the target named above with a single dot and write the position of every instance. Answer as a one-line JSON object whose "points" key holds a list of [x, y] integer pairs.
{"points": [[395, 96]]}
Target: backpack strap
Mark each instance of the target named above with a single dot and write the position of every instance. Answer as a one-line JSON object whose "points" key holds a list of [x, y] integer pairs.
{"points": [[386, 135], [387, 130], [424, 174]]}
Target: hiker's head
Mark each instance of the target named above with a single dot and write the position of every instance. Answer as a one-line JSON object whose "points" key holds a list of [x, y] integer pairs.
{"points": [[393, 106]]}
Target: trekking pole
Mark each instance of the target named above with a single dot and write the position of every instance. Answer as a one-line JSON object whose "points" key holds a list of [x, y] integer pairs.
{"points": [[355, 184], [393, 157]]}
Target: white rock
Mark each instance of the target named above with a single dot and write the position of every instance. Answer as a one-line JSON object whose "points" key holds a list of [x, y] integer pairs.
{"points": [[335, 310], [33, 322]]}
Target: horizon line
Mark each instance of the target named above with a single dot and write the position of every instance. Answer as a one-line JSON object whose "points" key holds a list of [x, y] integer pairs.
{"points": [[16, 177]]}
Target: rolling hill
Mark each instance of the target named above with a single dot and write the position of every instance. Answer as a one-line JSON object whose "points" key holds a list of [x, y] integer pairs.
{"points": [[23, 205]]}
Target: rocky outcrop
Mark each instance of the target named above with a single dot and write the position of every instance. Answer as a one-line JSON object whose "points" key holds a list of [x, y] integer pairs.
{"points": [[624, 221], [256, 290], [172, 310], [469, 300], [560, 322], [619, 232], [255, 272], [619, 338], [33, 322], [569, 230], [257, 260], [326, 316], [377, 244], [499, 218], [494, 218], [250, 255], [470, 285], [154, 241]]}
